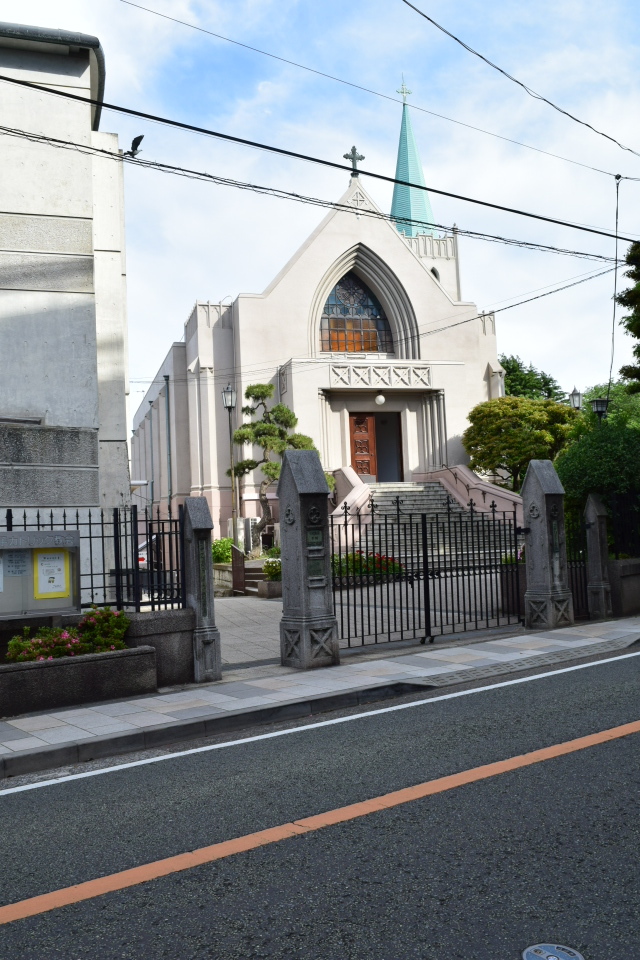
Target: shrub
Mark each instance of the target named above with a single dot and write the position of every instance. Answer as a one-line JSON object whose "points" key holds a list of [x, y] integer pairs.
{"points": [[358, 564], [98, 632], [272, 569], [221, 550], [274, 551]]}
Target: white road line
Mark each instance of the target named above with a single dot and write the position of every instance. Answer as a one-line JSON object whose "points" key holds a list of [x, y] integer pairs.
{"points": [[310, 726]]}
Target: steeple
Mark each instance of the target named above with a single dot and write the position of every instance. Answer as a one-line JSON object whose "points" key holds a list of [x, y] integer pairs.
{"points": [[409, 201]]}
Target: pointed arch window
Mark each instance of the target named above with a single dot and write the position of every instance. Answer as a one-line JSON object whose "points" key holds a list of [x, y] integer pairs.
{"points": [[353, 320]]}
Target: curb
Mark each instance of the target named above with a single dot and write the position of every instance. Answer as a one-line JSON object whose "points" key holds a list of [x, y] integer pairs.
{"points": [[48, 758]]}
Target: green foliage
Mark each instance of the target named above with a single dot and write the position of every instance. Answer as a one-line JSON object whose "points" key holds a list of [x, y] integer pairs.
{"points": [[359, 564], [274, 551], [98, 632], [523, 381], [630, 299], [221, 550], [508, 432], [272, 569], [603, 460], [270, 431], [623, 410]]}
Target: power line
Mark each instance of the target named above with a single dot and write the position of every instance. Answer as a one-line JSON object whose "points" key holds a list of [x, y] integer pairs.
{"points": [[532, 93], [615, 293], [255, 370], [242, 141], [287, 195], [358, 86]]}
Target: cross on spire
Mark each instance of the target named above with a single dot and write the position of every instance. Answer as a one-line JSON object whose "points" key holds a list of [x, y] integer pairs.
{"points": [[354, 156], [404, 90]]}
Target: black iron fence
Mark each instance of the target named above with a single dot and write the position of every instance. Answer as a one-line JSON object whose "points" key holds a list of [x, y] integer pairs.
{"points": [[415, 576], [576, 545], [128, 559]]}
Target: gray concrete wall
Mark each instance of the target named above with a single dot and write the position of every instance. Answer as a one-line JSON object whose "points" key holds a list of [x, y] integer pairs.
{"points": [[62, 286]]}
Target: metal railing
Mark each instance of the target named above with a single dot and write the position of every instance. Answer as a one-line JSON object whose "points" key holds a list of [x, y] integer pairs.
{"points": [[415, 576], [128, 559]]}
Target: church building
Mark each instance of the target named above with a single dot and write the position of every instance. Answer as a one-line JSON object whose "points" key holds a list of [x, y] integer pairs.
{"points": [[365, 336]]}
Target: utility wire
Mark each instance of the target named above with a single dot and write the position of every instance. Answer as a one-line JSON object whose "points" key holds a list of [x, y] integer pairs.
{"points": [[615, 293], [242, 141], [254, 370], [532, 93], [287, 195], [357, 86]]}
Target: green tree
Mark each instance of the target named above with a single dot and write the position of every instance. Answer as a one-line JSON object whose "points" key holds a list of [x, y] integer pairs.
{"points": [[523, 381], [630, 299], [270, 431], [508, 432], [602, 457]]}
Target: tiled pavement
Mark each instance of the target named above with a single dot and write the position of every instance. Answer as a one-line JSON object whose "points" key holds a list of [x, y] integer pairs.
{"points": [[269, 693]]}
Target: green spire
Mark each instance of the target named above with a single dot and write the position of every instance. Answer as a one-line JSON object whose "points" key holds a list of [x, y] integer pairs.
{"points": [[409, 201]]}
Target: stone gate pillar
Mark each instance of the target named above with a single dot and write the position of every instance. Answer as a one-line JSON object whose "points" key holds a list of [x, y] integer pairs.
{"points": [[548, 601], [198, 574], [598, 586], [308, 629]]}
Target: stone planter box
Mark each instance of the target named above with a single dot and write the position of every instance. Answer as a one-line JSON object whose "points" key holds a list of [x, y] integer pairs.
{"points": [[512, 586], [68, 681], [222, 580], [269, 589]]}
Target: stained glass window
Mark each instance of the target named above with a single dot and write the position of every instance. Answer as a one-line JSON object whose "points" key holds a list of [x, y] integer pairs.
{"points": [[353, 320]]}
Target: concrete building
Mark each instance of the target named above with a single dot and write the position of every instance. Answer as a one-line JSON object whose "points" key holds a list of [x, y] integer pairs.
{"points": [[365, 336], [62, 279]]}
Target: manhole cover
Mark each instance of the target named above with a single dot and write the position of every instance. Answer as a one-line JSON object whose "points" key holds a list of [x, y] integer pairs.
{"points": [[550, 951]]}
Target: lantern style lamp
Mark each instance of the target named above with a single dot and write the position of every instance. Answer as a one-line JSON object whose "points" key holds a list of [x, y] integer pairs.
{"points": [[575, 399], [229, 397], [599, 406]]}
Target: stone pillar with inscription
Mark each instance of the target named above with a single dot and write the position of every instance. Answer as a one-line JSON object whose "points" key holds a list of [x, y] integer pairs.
{"points": [[198, 574], [548, 600], [308, 629], [598, 586]]}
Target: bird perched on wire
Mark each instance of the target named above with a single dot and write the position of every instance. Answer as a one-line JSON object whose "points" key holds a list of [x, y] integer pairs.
{"points": [[135, 146]]}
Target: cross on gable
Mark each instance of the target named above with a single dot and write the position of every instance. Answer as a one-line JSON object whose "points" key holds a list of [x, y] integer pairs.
{"points": [[358, 200], [354, 156]]}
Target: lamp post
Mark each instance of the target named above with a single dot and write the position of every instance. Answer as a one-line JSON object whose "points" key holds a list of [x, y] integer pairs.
{"points": [[575, 399], [229, 401], [599, 406]]}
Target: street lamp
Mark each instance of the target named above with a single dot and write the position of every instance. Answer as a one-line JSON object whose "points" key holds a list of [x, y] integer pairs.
{"points": [[229, 401], [599, 406], [575, 399]]}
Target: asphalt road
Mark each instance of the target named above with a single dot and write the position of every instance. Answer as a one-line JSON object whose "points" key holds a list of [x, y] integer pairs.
{"points": [[548, 853]]}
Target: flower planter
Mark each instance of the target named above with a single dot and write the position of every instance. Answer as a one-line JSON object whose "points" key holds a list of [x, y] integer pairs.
{"points": [[513, 585], [269, 589], [68, 681]]}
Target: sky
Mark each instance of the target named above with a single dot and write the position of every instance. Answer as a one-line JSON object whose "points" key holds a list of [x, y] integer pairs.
{"points": [[189, 241]]}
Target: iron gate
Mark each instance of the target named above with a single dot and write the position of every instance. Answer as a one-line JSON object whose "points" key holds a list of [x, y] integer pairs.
{"points": [[576, 542], [416, 576]]}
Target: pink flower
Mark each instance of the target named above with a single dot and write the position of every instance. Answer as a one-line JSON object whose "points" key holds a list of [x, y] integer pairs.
{"points": [[112, 647], [40, 658], [49, 658], [64, 635]]}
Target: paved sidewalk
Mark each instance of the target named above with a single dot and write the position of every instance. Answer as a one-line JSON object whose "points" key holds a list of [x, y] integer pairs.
{"points": [[266, 694]]}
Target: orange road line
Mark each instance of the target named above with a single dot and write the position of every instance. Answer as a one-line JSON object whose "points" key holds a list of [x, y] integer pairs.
{"points": [[228, 848]]}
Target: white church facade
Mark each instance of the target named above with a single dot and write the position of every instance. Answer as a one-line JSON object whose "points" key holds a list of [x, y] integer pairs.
{"points": [[365, 336]]}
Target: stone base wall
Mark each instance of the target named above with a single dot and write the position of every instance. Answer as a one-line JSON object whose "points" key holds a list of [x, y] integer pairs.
{"points": [[170, 633], [624, 577], [68, 681]]}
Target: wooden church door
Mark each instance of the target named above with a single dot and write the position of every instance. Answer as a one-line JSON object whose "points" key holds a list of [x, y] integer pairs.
{"points": [[362, 427]]}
